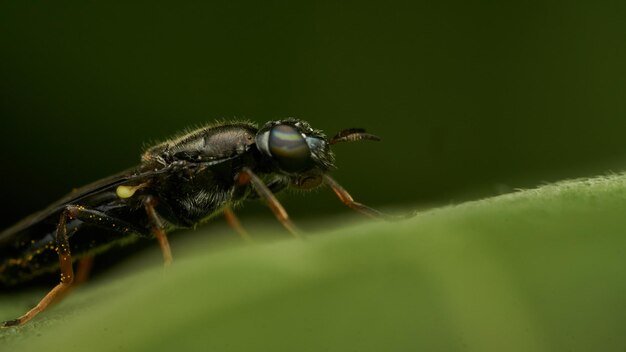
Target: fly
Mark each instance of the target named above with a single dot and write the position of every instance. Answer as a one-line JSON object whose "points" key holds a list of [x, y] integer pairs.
{"points": [[178, 184]]}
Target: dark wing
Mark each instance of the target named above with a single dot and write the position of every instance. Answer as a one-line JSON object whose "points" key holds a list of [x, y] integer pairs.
{"points": [[75, 197], [135, 175]]}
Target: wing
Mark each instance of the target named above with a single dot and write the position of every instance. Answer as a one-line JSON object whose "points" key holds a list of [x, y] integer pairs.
{"points": [[75, 197], [134, 175]]}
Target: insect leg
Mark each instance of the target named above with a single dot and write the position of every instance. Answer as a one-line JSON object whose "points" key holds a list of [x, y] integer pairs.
{"points": [[274, 186], [235, 224], [82, 274], [158, 229], [65, 263], [347, 199], [246, 176], [83, 269]]}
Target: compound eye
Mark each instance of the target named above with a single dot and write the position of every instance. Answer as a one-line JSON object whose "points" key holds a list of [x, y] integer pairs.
{"points": [[289, 148]]}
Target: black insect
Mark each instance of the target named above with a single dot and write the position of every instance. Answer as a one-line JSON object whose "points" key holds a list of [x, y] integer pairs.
{"points": [[178, 184]]}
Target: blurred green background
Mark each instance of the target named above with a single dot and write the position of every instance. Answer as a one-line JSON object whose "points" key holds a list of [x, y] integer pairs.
{"points": [[472, 99]]}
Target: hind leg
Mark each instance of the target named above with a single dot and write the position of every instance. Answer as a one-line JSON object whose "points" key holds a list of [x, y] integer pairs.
{"points": [[67, 273], [71, 212]]}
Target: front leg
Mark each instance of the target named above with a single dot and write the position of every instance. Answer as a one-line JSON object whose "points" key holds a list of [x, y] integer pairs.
{"points": [[245, 177], [347, 199]]}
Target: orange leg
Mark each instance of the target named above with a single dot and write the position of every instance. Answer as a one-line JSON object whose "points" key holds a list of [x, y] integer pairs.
{"points": [[235, 224], [246, 176], [347, 199], [67, 273], [83, 270], [82, 274], [158, 229]]}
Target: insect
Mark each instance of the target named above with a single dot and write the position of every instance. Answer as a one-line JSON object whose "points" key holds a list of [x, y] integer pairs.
{"points": [[178, 184]]}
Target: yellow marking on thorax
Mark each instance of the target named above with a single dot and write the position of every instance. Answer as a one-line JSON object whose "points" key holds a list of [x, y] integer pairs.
{"points": [[125, 192]]}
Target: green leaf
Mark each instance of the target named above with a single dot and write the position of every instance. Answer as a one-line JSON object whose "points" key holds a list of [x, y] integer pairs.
{"points": [[537, 270]]}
